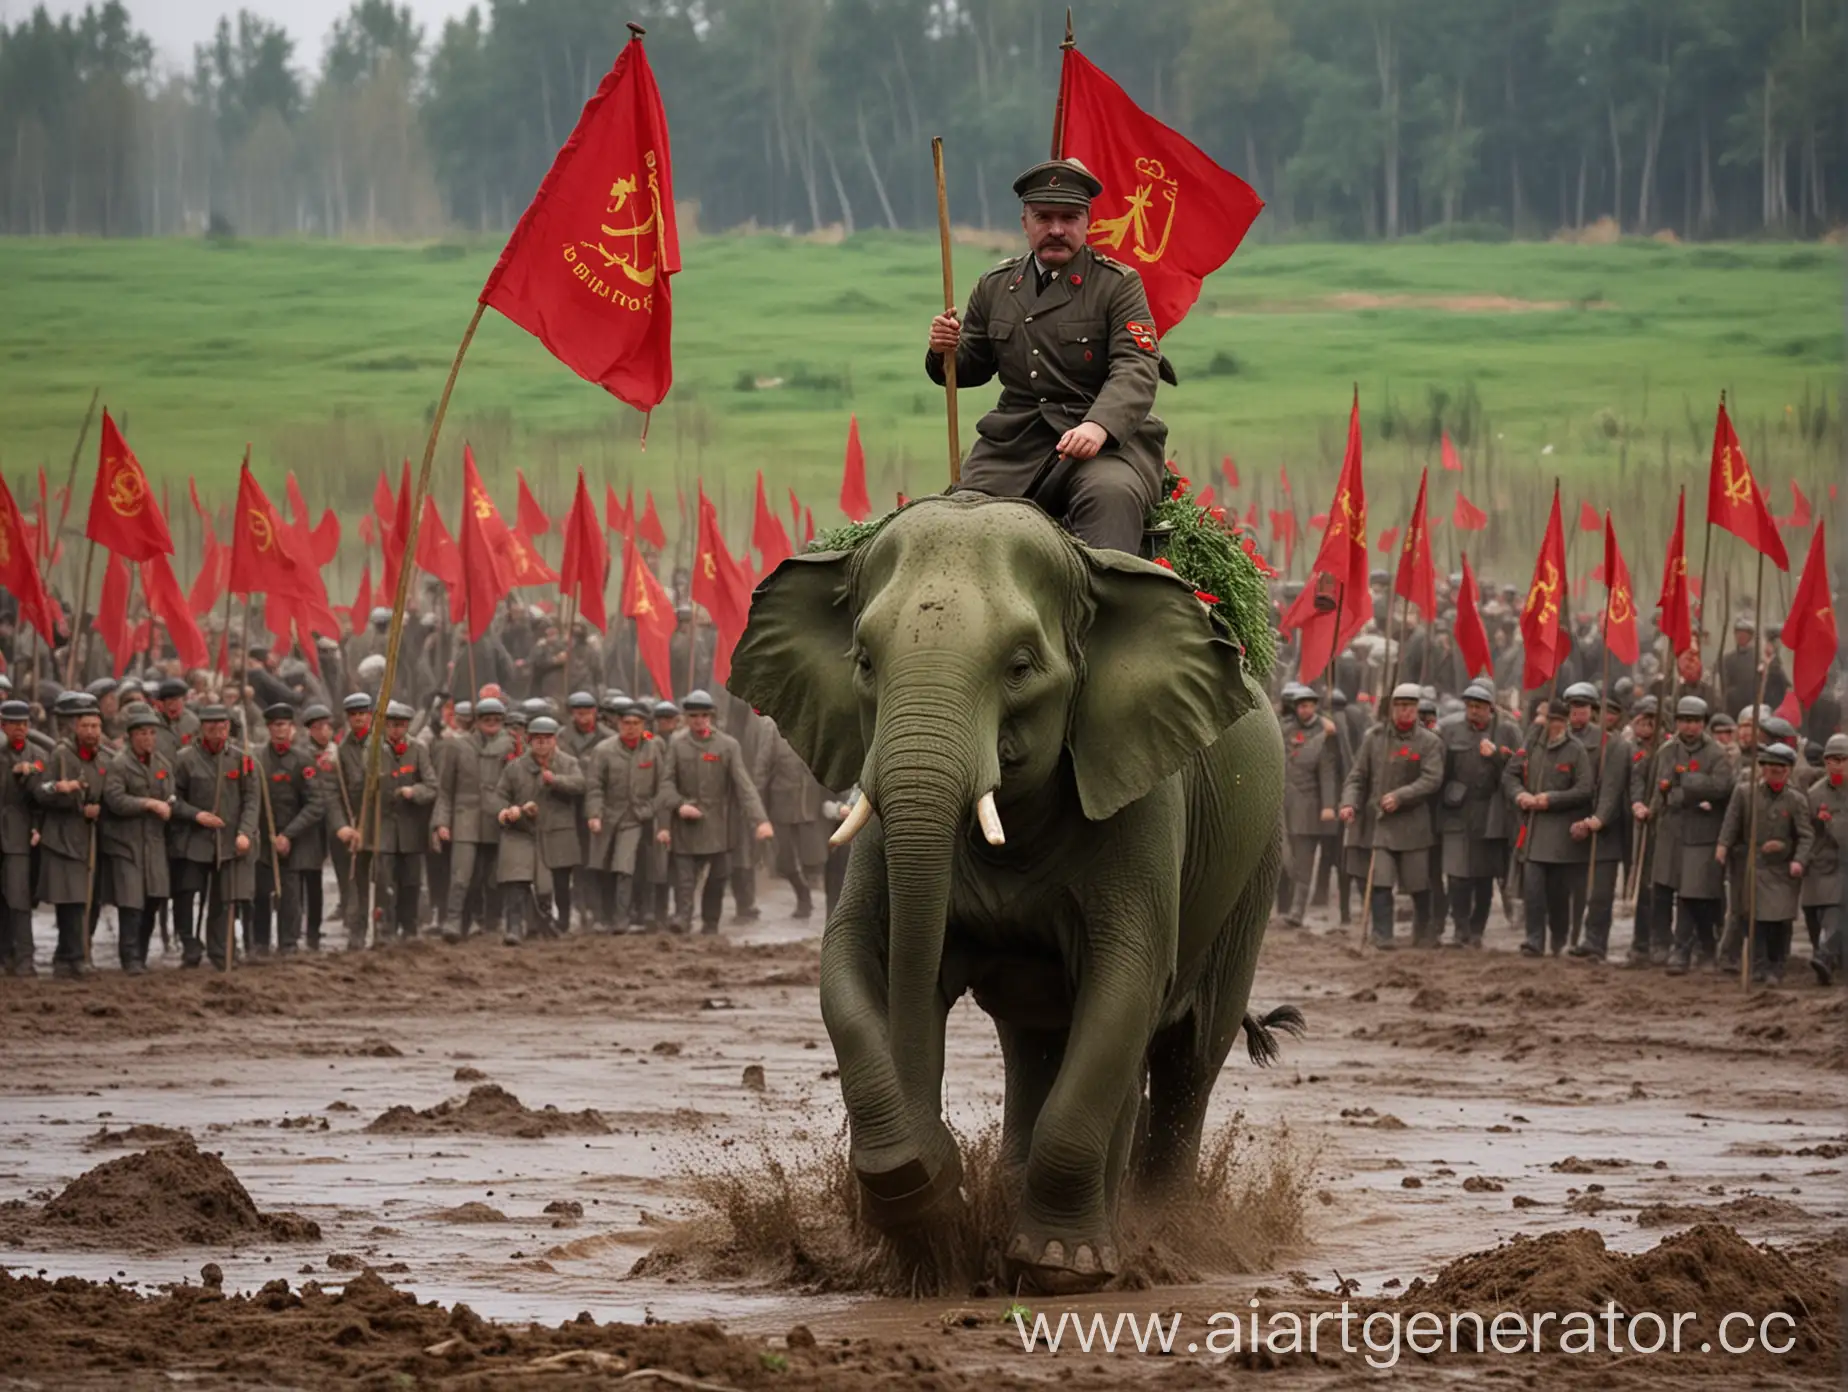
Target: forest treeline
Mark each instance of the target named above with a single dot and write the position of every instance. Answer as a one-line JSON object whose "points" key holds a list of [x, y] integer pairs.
{"points": [[1353, 118]]}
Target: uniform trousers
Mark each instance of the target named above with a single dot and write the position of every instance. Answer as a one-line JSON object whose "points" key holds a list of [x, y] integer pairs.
{"points": [[280, 901], [1471, 898], [1770, 948], [1546, 890], [1599, 904], [1697, 923], [471, 874], [1103, 501], [16, 914], [398, 876], [135, 933], [687, 869]]}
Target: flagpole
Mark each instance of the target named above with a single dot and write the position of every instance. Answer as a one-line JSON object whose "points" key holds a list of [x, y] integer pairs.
{"points": [[1058, 111], [1706, 554], [1604, 734], [1758, 746], [949, 306], [51, 543], [375, 740], [83, 602]]}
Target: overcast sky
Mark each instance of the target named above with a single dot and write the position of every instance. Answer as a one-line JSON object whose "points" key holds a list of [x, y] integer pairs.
{"points": [[176, 25]]}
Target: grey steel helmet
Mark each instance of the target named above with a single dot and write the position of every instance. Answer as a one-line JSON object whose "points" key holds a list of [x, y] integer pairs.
{"points": [[490, 705], [141, 716], [1720, 720], [698, 700], [581, 700], [398, 710], [380, 617], [1778, 754], [316, 712], [1836, 748], [665, 708], [1690, 708], [1408, 691], [535, 706], [102, 687], [1581, 693], [358, 701], [1758, 715], [1645, 705], [1479, 691], [1780, 729], [542, 725], [465, 710]]}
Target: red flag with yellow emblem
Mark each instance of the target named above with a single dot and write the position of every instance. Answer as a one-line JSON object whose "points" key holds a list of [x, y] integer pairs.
{"points": [[1342, 557], [1472, 637], [19, 571], [647, 604], [1674, 619], [1619, 598], [586, 562], [123, 514], [260, 560], [1734, 500], [1417, 576], [586, 270], [1543, 641], [1166, 209], [1809, 631]]}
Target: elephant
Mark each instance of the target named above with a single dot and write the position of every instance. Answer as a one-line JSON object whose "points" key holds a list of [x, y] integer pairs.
{"points": [[1072, 809]]}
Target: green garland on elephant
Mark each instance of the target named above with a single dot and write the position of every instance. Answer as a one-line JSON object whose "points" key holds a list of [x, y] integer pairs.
{"points": [[1225, 568]]}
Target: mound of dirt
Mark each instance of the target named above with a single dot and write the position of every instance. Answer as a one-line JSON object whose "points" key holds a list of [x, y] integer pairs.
{"points": [[140, 1134], [1753, 1208], [488, 1110], [1709, 1270], [788, 1215], [373, 1335], [172, 1195]]}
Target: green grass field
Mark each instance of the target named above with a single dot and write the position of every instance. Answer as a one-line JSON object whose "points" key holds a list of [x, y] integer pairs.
{"points": [[328, 358]]}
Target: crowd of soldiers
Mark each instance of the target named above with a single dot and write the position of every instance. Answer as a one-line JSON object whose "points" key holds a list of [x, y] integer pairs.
{"points": [[212, 811], [1644, 788]]}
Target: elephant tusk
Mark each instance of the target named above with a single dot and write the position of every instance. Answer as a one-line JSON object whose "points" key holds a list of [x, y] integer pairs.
{"points": [[990, 818], [857, 817]]}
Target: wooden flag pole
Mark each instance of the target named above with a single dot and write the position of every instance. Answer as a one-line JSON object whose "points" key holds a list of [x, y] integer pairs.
{"points": [[1751, 835], [949, 306], [375, 739], [1058, 112], [77, 623], [1706, 555]]}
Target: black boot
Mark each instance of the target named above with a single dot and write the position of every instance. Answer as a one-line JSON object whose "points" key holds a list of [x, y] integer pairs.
{"points": [[1381, 911]]}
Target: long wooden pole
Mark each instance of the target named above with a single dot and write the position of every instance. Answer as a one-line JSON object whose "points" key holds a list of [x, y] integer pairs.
{"points": [[949, 306], [79, 629], [1758, 745], [1597, 782], [375, 741], [1058, 110]]}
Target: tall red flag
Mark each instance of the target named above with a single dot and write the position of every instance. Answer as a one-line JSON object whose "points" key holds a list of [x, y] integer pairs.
{"points": [[260, 558], [795, 513], [437, 554], [1733, 497], [1417, 577], [1619, 599], [528, 516], [854, 501], [361, 608], [1447, 454], [111, 623], [484, 580], [1809, 630], [650, 530], [1672, 615], [214, 562], [323, 538], [1166, 209], [166, 603], [1800, 514], [586, 270], [1589, 520], [123, 514], [384, 506], [767, 534], [1544, 648], [1283, 479], [720, 584], [1467, 517], [618, 517], [392, 537], [586, 562], [1342, 557], [1472, 637], [19, 572], [646, 604], [808, 525], [1228, 469]]}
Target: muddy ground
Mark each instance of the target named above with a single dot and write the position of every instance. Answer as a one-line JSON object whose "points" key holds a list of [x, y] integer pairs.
{"points": [[586, 1158]]}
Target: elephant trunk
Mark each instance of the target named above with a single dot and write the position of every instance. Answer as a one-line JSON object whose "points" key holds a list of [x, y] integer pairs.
{"points": [[929, 766]]}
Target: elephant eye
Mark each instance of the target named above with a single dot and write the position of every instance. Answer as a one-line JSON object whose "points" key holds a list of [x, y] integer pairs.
{"points": [[863, 664], [1020, 668]]}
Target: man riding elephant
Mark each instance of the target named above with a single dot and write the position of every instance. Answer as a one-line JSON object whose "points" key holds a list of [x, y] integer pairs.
{"points": [[1069, 333]]}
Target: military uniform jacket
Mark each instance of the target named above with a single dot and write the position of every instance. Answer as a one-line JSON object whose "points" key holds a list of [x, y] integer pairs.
{"points": [[225, 783], [790, 793], [297, 805], [1084, 350], [17, 810], [1309, 778], [710, 774], [1409, 763], [130, 835], [1472, 805], [620, 786], [1699, 783], [1822, 872], [404, 823], [1784, 821], [64, 832], [465, 790], [554, 840], [171, 736], [1610, 790], [1563, 772], [581, 744]]}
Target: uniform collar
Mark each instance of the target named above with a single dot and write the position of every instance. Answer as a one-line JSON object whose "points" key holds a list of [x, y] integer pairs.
{"points": [[1059, 290]]}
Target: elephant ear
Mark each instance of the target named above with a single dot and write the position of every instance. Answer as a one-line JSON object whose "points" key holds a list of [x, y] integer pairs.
{"points": [[793, 664], [1160, 685]]}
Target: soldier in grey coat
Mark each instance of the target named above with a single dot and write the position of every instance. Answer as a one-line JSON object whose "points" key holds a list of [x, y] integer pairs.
{"points": [[212, 836], [137, 806], [705, 791], [537, 803], [793, 799], [294, 844], [1652, 928], [1772, 824], [620, 786], [23, 763], [1311, 791], [407, 794], [1550, 786], [1825, 901], [69, 796], [579, 737], [465, 817], [1396, 774], [179, 727], [1473, 814], [1605, 828], [1696, 779]]}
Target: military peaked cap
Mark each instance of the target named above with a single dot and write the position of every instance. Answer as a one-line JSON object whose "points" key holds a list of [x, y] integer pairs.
{"points": [[1062, 181], [140, 717], [1778, 754], [542, 725], [280, 711]]}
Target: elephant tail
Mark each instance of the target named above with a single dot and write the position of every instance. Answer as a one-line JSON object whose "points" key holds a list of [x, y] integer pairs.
{"points": [[1260, 1033]]}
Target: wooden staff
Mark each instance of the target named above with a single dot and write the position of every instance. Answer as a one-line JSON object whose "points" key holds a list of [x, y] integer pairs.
{"points": [[1758, 745], [83, 601], [375, 741], [1706, 554], [1597, 782], [949, 307], [243, 725], [1058, 111]]}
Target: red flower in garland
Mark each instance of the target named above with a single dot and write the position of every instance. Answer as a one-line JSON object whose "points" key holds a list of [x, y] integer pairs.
{"points": [[1164, 563], [1205, 598], [1180, 487], [1250, 548]]}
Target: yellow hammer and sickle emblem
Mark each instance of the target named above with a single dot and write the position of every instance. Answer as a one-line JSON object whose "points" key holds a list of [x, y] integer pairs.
{"points": [[126, 493], [1620, 604], [1737, 487], [642, 604], [1544, 591], [484, 506], [1826, 614], [630, 263], [260, 530], [1155, 191], [709, 565]]}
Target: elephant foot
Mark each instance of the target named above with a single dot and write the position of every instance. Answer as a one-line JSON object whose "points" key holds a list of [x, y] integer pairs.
{"points": [[1055, 1267], [912, 1191]]}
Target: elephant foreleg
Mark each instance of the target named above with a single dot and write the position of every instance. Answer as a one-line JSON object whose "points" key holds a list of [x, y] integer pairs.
{"points": [[906, 1161], [1031, 1058]]}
